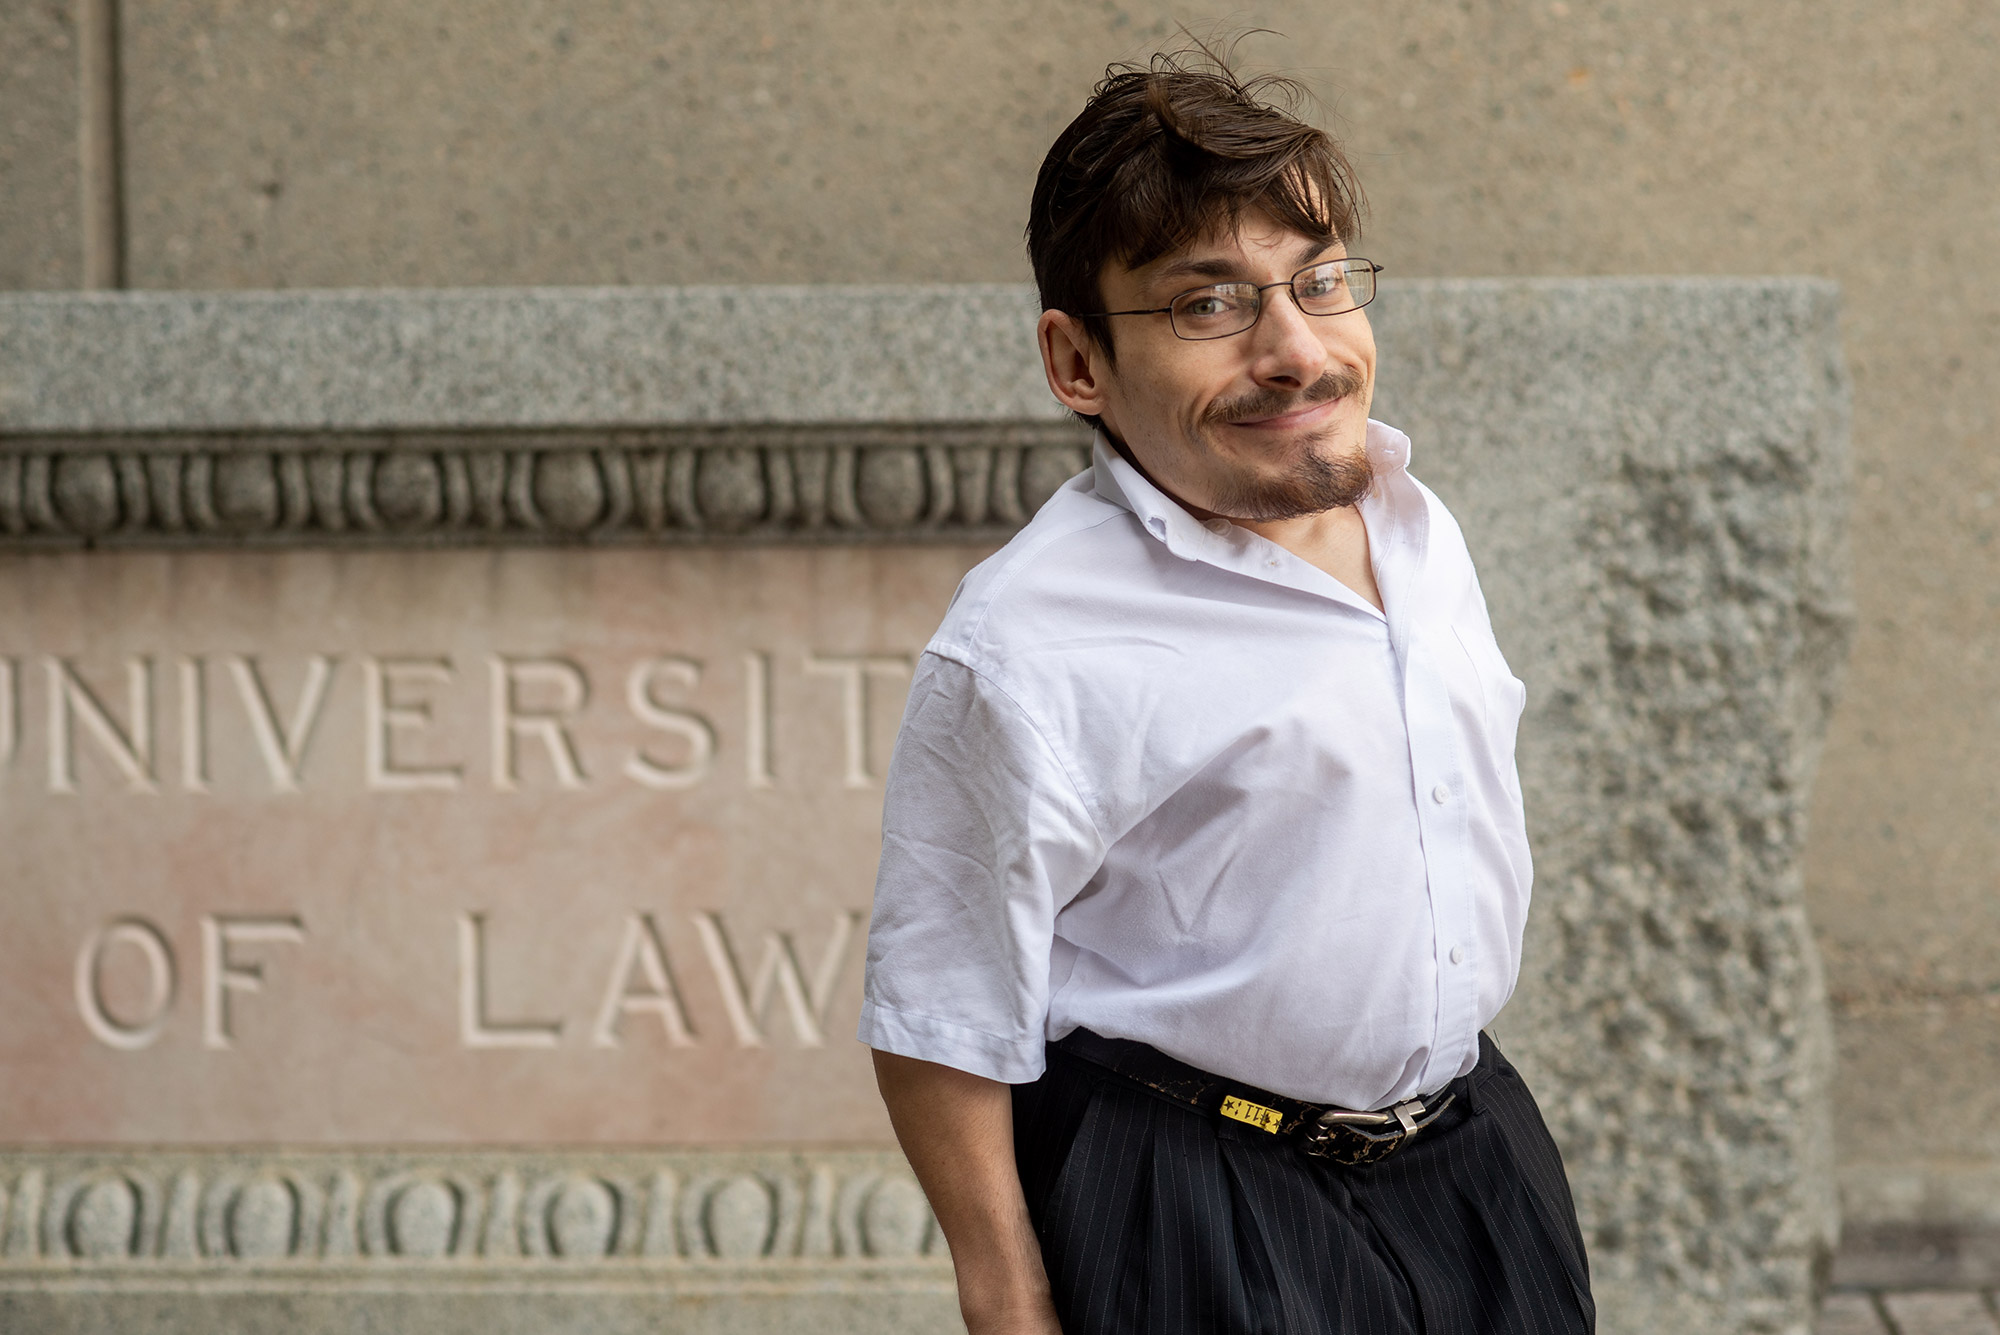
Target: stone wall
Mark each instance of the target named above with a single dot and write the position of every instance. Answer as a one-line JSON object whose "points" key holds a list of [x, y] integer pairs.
{"points": [[337, 143], [444, 722]]}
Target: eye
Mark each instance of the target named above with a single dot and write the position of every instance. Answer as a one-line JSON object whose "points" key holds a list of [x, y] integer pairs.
{"points": [[1210, 303], [1325, 281]]}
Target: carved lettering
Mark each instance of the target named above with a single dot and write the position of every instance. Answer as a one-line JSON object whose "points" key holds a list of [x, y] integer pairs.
{"points": [[757, 723], [475, 1029], [410, 725], [127, 1036], [512, 720], [131, 752], [641, 947], [194, 725], [283, 748], [222, 975], [692, 728], [641, 981], [779, 970], [387, 714], [854, 670]]}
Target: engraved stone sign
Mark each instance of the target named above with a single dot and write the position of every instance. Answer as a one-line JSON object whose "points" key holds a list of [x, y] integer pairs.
{"points": [[459, 847]]}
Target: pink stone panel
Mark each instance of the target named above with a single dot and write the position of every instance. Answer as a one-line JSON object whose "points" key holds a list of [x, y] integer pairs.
{"points": [[554, 847]]}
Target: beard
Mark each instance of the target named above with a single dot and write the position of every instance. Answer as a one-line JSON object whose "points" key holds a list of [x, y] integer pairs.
{"points": [[1313, 481]]}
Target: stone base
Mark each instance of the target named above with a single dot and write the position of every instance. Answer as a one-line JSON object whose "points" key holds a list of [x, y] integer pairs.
{"points": [[1934, 1224], [492, 1243], [909, 1301], [1917, 1256]]}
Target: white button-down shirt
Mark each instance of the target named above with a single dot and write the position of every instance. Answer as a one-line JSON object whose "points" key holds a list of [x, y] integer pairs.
{"points": [[1167, 781]]}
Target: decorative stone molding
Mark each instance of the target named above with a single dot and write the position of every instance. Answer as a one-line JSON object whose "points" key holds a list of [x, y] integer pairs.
{"points": [[151, 1209], [888, 483]]}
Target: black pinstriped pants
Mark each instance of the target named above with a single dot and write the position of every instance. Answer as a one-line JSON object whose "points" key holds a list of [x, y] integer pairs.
{"points": [[1155, 1218]]}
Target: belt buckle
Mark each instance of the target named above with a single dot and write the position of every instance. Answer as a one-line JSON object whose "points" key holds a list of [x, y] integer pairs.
{"points": [[1355, 1138]]}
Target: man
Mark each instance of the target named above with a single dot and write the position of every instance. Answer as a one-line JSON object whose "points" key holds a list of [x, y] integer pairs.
{"points": [[1203, 860]]}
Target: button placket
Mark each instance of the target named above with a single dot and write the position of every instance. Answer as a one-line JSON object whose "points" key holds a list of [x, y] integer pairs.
{"points": [[1446, 853]]}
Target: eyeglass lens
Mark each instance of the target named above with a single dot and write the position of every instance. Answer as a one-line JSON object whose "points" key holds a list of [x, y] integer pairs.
{"points": [[1332, 288]]}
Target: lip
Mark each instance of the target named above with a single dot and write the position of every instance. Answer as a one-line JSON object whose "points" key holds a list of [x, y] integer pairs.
{"points": [[1308, 416]]}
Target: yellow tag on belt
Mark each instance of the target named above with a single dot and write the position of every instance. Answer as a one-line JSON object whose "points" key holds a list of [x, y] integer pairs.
{"points": [[1256, 1114]]}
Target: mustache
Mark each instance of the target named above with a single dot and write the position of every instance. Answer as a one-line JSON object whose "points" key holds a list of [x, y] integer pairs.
{"points": [[1272, 402]]}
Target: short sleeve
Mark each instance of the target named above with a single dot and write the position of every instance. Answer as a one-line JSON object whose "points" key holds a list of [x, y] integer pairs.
{"points": [[984, 839]]}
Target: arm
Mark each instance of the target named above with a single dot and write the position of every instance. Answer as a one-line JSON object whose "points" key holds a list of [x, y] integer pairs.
{"points": [[957, 1130]]}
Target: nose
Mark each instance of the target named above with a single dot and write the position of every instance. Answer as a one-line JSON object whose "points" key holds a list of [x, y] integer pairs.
{"points": [[1288, 347]]}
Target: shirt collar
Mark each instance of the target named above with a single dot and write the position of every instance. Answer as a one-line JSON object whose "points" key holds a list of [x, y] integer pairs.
{"points": [[1388, 449], [1123, 485]]}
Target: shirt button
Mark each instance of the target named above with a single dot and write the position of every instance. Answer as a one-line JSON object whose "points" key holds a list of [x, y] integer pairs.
{"points": [[1440, 794], [1458, 954], [1217, 526]]}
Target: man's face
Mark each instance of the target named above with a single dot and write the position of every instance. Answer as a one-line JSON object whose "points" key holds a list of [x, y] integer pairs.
{"points": [[1266, 424]]}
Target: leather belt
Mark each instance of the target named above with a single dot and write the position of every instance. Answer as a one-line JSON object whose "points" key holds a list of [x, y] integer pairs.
{"points": [[1343, 1135]]}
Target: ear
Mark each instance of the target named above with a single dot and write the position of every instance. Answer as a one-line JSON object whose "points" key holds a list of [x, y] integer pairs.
{"points": [[1073, 363]]}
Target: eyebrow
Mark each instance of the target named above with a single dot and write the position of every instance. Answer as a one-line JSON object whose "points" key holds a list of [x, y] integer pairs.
{"points": [[1222, 270]]}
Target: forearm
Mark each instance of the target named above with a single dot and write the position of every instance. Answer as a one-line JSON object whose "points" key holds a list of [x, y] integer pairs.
{"points": [[957, 1130]]}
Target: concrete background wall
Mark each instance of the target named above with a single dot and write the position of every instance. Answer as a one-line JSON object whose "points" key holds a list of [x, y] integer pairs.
{"points": [[290, 143]]}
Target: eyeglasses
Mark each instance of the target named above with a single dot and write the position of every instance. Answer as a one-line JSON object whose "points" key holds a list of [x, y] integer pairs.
{"points": [[1331, 287]]}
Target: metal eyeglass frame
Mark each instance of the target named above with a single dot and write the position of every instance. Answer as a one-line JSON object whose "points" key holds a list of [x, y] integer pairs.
{"points": [[1261, 288]]}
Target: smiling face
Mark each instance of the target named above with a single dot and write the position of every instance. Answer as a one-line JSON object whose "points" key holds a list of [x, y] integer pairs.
{"points": [[1262, 425]]}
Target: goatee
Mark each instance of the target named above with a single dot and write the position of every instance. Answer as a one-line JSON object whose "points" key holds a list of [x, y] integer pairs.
{"points": [[1313, 482]]}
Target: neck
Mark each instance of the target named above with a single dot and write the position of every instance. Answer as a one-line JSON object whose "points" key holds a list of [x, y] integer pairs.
{"points": [[1316, 537]]}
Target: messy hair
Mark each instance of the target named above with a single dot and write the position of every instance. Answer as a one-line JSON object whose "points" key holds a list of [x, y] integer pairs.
{"points": [[1165, 154]]}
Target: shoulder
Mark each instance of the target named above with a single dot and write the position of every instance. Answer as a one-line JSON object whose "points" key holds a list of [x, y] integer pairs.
{"points": [[1447, 551], [1441, 518], [1077, 554], [1449, 571]]}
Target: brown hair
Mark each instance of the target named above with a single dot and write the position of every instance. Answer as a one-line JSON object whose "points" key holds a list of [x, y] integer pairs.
{"points": [[1166, 154]]}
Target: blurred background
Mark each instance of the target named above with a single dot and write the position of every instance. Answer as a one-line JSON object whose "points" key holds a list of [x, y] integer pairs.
{"points": [[349, 143]]}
